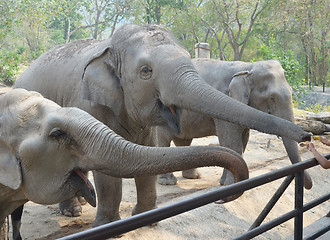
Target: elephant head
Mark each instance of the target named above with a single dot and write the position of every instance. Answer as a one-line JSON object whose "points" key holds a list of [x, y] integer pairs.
{"points": [[264, 87], [144, 69], [44, 149]]}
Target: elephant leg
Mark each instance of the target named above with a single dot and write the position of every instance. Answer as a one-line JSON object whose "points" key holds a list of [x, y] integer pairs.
{"points": [[245, 138], [109, 194], [161, 138], [190, 173], [231, 136], [16, 217], [146, 194], [4, 229]]}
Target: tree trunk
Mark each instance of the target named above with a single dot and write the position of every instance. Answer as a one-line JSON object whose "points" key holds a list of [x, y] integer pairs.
{"points": [[324, 54], [67, 39], [96, 25], [315, 127]]}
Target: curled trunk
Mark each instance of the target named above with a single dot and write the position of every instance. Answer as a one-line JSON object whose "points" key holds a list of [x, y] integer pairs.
{"points": [[113, 155]]}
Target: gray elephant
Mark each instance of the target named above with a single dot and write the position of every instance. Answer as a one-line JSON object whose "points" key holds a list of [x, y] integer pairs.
{"points": [[261, 85], [139, 78], [44, 148]]}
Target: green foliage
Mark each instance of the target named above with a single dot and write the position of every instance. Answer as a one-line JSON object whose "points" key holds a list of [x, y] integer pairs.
{"points": [[290, 65], [67, 15], [316, 108], [155, 11], [300, 26], [9, 66], [7, 18]]}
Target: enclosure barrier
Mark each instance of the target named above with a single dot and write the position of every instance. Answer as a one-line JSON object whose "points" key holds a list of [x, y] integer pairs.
{"points": [[293, 171]]}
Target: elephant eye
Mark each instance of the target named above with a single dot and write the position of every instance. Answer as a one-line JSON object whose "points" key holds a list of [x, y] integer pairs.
{"points": [[145, 72], [59, 134], [271, 105]]}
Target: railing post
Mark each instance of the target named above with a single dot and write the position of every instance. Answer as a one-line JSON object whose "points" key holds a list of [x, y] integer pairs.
{"points": [[299, 205], [272, 201]]}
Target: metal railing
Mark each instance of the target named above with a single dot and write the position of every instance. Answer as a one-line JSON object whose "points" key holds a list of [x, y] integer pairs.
{"points": [[290, 172]]}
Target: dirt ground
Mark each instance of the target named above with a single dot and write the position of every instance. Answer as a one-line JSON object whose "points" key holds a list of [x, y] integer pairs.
{"points": [[265, 153]]}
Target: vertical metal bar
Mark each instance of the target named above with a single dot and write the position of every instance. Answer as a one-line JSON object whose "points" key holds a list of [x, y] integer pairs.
{"points": [[299, 205], [279, 192]]}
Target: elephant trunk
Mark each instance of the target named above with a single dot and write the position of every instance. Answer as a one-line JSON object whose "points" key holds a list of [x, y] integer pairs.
{"points": [[293, 153], [106, 151], [207, 100], [290, 145]]}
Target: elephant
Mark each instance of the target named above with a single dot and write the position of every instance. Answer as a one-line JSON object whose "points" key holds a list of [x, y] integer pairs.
{"points": [[139, 78], [44, 148], [261, 85], [16, 221]]}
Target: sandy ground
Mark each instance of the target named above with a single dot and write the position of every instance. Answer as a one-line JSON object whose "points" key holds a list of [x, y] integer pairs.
{"points": [[212, 221]]}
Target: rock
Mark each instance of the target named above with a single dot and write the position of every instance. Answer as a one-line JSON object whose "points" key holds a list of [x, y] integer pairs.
{"points": [[322, 116], [312, 98], [315, 127]]}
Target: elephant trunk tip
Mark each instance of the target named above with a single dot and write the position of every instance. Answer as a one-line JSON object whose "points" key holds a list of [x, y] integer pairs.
{"points": [[228, 199], [306, 137]]}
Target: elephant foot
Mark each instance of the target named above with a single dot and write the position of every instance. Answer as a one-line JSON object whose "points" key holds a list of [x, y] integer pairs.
{"points": [[71, 207], [99, 220], [191, 174], [103, 220], [167, 179], [137, 210], [82, 201], [227, 180]]}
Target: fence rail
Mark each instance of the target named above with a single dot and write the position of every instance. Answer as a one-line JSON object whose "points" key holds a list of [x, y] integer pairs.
{"points": [[293, 171]]}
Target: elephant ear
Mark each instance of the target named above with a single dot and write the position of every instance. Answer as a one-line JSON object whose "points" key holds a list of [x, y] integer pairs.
{"points": [[239, 87], [101, 83], [10, 171]]}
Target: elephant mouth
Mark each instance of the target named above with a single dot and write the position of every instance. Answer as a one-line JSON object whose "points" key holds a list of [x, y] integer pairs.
{"points": [[171, 115], [82, 186]]}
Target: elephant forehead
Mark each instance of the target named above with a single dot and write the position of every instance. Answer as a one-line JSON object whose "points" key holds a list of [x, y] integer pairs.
{"points": [[158, 37], [35, 107]]}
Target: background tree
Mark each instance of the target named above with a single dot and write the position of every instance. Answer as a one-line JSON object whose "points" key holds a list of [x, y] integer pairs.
{"points": [[152, 11], [104, 15], [300, 26], [68, 19], [311, 20], [237, 19], [7, 18], [294, 32]]}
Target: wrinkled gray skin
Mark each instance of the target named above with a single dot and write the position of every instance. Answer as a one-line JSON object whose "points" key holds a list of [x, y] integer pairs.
{"points": [[139, 78], [44, 148], [261, 85]]}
